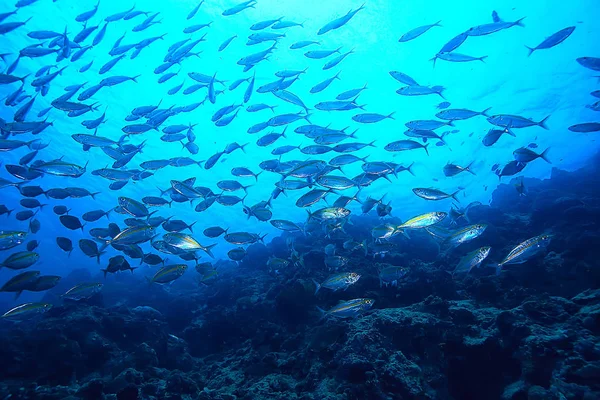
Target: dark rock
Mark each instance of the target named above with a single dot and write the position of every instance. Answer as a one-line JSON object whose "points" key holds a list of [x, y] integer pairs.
{"points": [[129, 393], [92, 390]]}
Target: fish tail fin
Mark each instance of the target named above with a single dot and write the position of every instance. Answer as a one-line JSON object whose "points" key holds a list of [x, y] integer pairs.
{"points": [[434, 59], [410, 170], [440, 91], [519, 22], [17, 294], [190, 226], [453, 195], [438, 23], [542, 123], [468, 168], [105, 272], [531, 50], [498, 268], [482, 59], [425, 148], [323, 313], [318, 286], [544, 156], [511, 133], [484, 112], [309, 215], [208, 251], [391, 115]]}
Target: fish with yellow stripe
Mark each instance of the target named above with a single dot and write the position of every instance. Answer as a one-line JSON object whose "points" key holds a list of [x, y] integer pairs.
{"points": [[525, 251], [10, 239], [338, 281], [26, 310], [423, 220], [348, 309], [187, 243], [168, 273]]}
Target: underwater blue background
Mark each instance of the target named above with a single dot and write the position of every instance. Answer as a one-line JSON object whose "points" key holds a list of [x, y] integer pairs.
{"points": [[548, 83]]}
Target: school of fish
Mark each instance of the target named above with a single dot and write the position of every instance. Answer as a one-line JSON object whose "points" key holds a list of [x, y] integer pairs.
{"points": [[310, 166]]}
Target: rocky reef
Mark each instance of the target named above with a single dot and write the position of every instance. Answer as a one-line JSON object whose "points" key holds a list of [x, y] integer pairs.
{"points": [[531, 333]]}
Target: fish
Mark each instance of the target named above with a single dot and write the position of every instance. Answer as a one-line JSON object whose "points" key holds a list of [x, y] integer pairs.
{"points": [[403, 78], [370, 118], [20, 260], [434, 194], [237, 254], [243, 238], [328, 213], [83, 291], [90, 249], [416, 32], [525, 251], [460, 114], [525, 155], [423, 221], [496, 26], [401, 145], [168, 274], [515, 121], [186, 242], [494, 134], [319, 87], [454, 169], [472, 260], [339, 22], [592, 63], [391, 274], [27, 310], [465, 234], [348, 309], [117, 264], [20, 282], [509, 169], [585, 127], [320, 54], [285, 225], [457, 57], [303, 43], [553, 40], [214, 232], [338, 282], [417, 90]]}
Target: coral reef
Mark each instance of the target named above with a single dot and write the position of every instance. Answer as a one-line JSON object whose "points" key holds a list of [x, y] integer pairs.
{"points": [[529, 333]]}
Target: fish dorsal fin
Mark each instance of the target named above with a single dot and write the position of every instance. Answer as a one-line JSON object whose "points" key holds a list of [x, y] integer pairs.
{"points": [[190, 181]]}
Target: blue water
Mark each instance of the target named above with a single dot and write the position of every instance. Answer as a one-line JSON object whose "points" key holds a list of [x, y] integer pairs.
{"points": [[549, 83]]}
